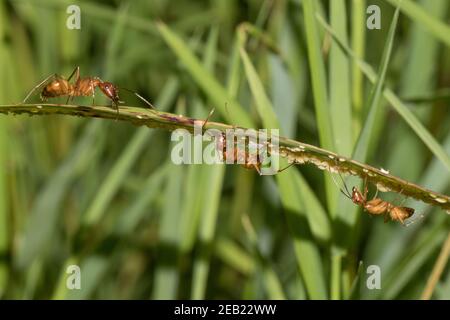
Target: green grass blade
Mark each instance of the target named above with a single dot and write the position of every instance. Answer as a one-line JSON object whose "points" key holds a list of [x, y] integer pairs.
{"points": [[318, 76], [320, 92], [396, 103], [234, 255], [307, 252], [4, 205], [45, 212], [166, 273], [123, 165], [318, 218], [358, 46], [367, 135], [339, 83], [212, 88], [265, 110], [212, 177], [437, 28]]}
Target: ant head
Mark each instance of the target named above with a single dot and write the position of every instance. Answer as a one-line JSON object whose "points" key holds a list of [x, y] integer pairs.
{"points": [[357, 197], [111, 91]]}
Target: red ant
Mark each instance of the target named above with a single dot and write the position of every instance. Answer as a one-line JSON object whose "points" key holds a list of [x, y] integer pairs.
{"points": [[251, 161], [59, 87], [376, 206]]}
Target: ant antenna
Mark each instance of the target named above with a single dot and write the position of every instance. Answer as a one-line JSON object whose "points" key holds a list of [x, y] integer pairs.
{"points": [[38, 86], [207, 118], [346, 192], [139, 96]]}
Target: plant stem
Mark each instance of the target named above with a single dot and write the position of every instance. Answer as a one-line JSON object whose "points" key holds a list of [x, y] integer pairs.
{"points": [[293, 151]]}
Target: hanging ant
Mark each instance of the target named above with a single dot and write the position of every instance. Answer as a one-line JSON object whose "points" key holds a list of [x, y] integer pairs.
{"points": [[250, 160], [59, 86], [376, 206]]}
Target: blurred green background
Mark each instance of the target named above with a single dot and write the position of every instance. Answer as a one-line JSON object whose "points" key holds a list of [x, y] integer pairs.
{"points": [[105, 195]]}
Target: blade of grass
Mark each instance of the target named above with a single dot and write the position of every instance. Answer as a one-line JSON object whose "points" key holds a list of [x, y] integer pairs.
{"points": [[339, 83], [367, 135], [265, 110], [45, 212], [437, 270], [318, 219], [212, 88], [234, 255], [306, 250], [4, 203], [123, 165], [358, 47], [436, 27], [396, 103], [271, 280], [138, 209], [212, 177], [320, 92], [413, 261], [166, 273], [318, 77]]}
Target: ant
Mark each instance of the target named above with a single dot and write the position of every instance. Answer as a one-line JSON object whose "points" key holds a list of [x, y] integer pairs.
{"points": [[59, 86], [251, 161], [376, 206]]}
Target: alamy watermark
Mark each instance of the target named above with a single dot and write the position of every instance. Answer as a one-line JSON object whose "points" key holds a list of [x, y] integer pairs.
{"points": [[253, 149], [374, 279], [74, 19], [73, 280], [374, 18]]}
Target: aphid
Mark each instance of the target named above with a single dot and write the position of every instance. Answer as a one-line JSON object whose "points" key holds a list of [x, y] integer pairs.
{"points": [[57, 86], [377, 206], [239, 154]]}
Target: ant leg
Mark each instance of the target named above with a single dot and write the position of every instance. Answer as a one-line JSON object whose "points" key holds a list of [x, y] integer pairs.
{"points": [[366, 188], [207, 118], [38, 86], [75, 72], [376, 194], [257, 169], [70, 99], [346, 193], [287, 167], [93, 95]]}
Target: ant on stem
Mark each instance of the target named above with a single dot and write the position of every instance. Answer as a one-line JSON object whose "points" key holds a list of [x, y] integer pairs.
{"points": [[59, 86], [251, 161], [376, 206]]}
